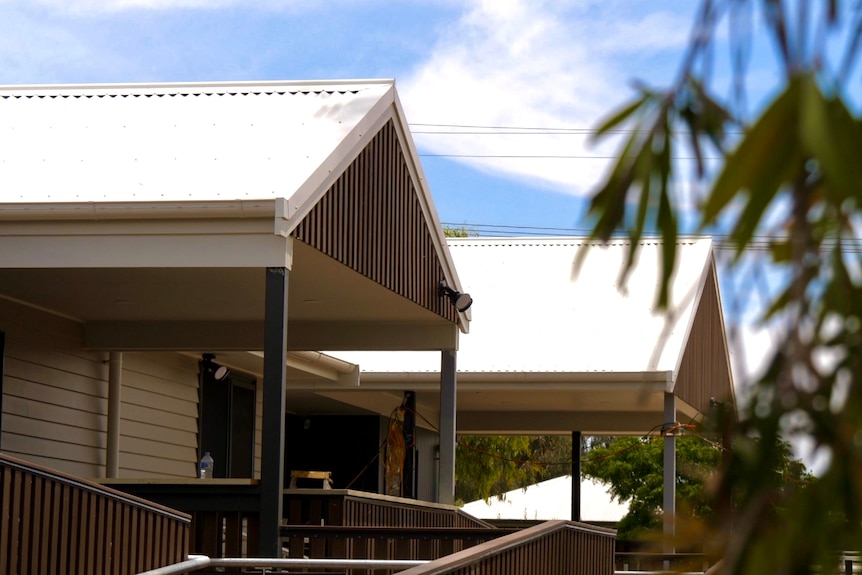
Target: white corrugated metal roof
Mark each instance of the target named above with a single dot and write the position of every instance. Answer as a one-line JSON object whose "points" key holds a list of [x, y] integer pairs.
{"points": [[163, 142], [551, 499], [534, 313]]}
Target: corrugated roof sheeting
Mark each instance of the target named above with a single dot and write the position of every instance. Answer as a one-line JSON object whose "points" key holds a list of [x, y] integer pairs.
{"points": [[172, 142], [534, 312], [533, 306]]}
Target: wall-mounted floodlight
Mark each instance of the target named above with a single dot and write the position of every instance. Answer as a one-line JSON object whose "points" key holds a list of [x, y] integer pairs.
{"points": [[218, 372], [461, 301]]}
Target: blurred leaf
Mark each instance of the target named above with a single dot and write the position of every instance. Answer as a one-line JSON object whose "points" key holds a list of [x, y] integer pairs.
{"points": [[767, 158], [829, 132], [622, 115]]}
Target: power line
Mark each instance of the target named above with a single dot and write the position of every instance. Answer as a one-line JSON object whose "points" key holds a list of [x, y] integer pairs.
{"points": [[720, 241], [545, 157], [461, 129]]}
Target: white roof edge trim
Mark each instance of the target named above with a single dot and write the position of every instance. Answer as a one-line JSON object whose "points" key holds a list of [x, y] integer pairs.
{"points": [[574, 240], [342, 373], [429, 209], [169, 87], [386, 109], [140, 210], [724, 331], [698, 296], [636, 378], [433, 385], [318, 183]]}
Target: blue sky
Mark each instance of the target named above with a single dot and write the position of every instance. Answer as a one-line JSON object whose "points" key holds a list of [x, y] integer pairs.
{"points": [[557, 65], [472, 71]]}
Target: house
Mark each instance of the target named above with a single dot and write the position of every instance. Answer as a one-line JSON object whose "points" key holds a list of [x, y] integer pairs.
{"points": [[561, 343], [187, 268], [152, 234], [551, 499]]}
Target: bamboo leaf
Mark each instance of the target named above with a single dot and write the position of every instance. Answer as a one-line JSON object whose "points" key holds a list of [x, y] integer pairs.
{"points": [[829, 132], [768, 157], [624, 113]]}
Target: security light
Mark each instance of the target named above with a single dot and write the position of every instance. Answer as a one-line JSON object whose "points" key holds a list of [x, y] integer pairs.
{"points": [[218, 372], [461, 301]]}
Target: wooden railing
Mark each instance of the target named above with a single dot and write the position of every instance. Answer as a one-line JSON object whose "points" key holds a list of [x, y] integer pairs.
{"points": [[550, 548], [322, 523], [675, 562], [51, 522], [225, 512]]}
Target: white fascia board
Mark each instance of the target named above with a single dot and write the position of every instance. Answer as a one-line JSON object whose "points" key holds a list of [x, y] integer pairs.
{"points": [[695, 305], [144, 234], [338, 371], [138, 210], [150, 251], [173, 87], [341, 372], [520, 381], [726, 345], [428, 207]]}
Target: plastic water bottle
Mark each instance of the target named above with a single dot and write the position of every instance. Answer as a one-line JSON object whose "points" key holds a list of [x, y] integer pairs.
{"points": [[206, 466]]}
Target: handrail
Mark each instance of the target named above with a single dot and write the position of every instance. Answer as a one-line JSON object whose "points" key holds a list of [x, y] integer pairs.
{"points": [[371, 532], [52, 522], [92, 487], [197, 562], [473, 555]]}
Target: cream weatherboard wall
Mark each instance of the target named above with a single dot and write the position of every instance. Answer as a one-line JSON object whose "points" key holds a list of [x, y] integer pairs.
{"points": [[158, 415], [54, 393], [55, 402]]}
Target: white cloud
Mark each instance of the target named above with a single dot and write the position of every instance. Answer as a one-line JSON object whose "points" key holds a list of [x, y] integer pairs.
{"points": [[108, 6], [535, 64], [101, 6]]}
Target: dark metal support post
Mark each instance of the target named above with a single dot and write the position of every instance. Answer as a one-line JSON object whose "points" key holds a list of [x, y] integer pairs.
{"points": [[2, 376], [272, 448], [576, 476], [669, 506], [408, 489], [446, 485]]}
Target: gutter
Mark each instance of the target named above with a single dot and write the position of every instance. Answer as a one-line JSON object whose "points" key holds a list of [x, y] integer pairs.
{"points": [[34, 211]]}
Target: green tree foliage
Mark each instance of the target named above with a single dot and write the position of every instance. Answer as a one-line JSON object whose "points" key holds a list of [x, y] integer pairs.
{"points": [[489, 465], [790, 178], [459, 232], [633, 468]]}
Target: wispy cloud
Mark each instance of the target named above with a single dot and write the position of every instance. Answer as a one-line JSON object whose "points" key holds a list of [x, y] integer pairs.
{"points": [[109, 6], [113, 6], [536, 64]]}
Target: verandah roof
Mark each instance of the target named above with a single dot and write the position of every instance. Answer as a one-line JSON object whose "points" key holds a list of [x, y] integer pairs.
{"points": [[155, 206], [556, 349]]}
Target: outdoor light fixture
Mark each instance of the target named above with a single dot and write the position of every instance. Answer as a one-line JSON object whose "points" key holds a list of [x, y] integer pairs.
{"points": [[219, 372], [461, 301]]}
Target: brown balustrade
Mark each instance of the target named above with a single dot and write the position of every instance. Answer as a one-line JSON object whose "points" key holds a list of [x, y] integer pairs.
{"points": [[51, 522], [358, 525], [550, 548]]}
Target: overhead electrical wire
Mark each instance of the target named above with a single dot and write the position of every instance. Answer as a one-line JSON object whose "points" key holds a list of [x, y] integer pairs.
{"points": [[721, 241], [541, 130]]}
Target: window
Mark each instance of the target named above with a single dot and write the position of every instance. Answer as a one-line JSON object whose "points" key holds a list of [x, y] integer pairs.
{"points": [[227, 420]]}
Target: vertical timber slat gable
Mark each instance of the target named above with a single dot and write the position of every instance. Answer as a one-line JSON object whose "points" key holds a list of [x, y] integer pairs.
{"points": [[371, 221], [705, 364]]}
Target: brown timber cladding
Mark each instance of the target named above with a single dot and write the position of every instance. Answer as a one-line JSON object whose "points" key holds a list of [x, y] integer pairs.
{"points": [[550, 548], [52, 523], [705, 369], [371, 221]]}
